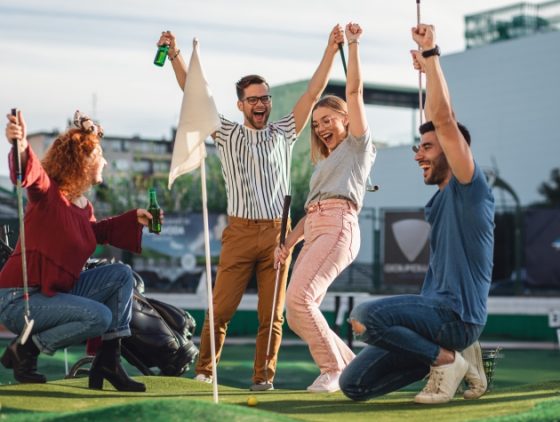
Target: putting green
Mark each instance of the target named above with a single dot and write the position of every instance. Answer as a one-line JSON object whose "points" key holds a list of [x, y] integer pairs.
{"points": [[526, 389], [177, 399]]}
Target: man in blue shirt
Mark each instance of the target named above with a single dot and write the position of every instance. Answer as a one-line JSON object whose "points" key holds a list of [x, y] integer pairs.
{"points": [[410, 336]]}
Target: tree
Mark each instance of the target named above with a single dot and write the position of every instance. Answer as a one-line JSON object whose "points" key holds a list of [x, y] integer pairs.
{"points": [[119, 194], [551, 190]]}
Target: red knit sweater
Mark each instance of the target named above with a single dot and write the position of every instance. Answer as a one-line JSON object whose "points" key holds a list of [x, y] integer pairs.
{"points": [[60, 236]]}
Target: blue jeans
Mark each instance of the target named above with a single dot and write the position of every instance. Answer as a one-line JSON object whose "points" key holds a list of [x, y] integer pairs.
{"points": [[403, 335], [100, 303]]}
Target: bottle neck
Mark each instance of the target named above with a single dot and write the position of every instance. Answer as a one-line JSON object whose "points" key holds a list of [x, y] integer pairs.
{"points": [[153, 199]]}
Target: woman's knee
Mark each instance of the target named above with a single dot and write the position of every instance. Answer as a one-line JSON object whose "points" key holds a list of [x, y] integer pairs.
{"points": [[100, 320], [296, 308], [124, 274]]}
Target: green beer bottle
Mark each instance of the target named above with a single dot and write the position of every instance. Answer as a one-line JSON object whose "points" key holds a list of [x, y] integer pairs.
{"points": [[161, 55], [154, 209]]}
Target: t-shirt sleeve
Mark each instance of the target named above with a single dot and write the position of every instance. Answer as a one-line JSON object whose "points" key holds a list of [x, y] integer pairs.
{"points": [[476, 190], [362, 143], [226, 127], [287, 125]]}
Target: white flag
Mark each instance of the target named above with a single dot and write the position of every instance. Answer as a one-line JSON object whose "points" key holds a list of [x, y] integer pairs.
{"points": [[199, 118]]}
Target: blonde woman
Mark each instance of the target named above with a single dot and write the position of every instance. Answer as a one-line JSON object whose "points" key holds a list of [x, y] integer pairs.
{"points": [[343, 154]]}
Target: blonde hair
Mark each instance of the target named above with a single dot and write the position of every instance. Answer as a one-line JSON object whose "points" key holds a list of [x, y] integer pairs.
{"points": [[319, 150]]}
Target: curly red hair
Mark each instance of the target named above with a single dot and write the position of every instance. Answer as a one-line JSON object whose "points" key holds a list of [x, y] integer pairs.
{"points": [[68, 161]]}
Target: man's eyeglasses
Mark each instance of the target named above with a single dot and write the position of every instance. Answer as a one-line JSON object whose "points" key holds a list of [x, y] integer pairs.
{"points": [[265, 99]]}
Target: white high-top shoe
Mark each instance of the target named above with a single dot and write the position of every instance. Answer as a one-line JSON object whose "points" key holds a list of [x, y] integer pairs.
{"points": [[443, 382], [327, 382], [475, 376]]}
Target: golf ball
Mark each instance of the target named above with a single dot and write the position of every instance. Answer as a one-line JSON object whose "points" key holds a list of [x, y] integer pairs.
{"points": [[252, 401]]}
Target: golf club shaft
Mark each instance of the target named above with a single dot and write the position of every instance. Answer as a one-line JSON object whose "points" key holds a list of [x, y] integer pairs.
{"points": [[283, 229], [420, 100], [17, 161], [342, 57]]}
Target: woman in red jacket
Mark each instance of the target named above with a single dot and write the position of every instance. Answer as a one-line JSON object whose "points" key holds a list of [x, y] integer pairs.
{"points": [[67, 305]]}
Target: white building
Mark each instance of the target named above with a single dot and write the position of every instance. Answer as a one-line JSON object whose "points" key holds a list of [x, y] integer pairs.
{"points": [[508, 95]]}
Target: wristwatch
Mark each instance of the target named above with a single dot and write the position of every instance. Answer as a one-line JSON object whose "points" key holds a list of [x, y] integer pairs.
{"points": [[433, 52]]}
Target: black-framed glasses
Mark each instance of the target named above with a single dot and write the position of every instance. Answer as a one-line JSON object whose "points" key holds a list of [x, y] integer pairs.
{"points": [[265, 99]]}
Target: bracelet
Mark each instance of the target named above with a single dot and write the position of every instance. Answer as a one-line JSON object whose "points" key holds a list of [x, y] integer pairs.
{"points": [[174, 56], [353, 42]]}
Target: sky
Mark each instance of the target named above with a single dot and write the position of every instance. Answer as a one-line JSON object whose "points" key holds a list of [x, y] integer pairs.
{"points": [[57, 56]]}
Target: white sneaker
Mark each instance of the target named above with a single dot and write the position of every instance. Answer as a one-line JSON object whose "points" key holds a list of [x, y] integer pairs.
{"points": [[262, 386], [443, 382], [203, 378], [327, 382], [475, 376]]}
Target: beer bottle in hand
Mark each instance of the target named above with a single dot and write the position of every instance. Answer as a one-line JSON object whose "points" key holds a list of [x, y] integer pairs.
{"points": [[161, 54], [153, 208]]}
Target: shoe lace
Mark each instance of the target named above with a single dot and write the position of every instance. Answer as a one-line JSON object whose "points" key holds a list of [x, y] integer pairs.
{"points": [[434, 381]]}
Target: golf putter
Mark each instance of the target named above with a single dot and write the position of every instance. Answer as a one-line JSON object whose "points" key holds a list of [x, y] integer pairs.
{"points": [[370, 187], [283, 227], [28, 324]]}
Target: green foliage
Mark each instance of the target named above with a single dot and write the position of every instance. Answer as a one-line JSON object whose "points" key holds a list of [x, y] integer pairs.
{"points": [[119, 194], [551, 190], [301, 174]]}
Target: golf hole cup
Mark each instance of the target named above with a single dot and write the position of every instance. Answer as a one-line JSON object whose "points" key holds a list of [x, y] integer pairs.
{"points": [[252, 401]]}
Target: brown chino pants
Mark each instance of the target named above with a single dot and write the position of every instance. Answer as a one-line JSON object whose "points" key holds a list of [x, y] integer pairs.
{"points": [[247, 247]]}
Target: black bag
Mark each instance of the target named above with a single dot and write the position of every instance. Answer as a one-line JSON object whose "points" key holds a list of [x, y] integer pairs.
{"points": [[161, 334], [161, 337]]}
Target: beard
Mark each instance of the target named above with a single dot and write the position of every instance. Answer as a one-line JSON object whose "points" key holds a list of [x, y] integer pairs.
{"points": [[258, 123], [439, 171]]}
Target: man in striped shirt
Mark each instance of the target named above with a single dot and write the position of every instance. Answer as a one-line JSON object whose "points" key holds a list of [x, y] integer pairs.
{"points": [[255, 157]]}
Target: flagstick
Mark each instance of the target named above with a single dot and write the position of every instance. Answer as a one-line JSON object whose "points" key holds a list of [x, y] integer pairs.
{"points": [[208, 276]]}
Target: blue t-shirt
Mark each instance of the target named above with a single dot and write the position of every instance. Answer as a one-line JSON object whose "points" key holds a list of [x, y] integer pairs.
{"points": [[461, 246]]}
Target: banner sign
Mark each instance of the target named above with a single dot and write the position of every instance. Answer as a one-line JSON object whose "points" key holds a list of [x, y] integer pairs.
{"points": [[542, 247], [406, 248]]}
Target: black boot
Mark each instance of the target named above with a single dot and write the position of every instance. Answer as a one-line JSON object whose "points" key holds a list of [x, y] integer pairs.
{"points": [[23, 360], [107, 365]]}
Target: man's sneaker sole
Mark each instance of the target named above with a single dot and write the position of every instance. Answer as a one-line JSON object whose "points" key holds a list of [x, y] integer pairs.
{"points": [[262, 387]]}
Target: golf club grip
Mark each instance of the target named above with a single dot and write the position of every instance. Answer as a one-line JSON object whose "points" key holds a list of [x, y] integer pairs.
{"points": [[17, 162], [14, 113], [285, 213], [342, 57]]}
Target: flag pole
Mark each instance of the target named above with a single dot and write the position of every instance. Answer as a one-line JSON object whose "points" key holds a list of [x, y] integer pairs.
{"points": [[208, 276]]}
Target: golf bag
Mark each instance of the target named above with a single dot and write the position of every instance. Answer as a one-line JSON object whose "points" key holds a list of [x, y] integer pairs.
{"points": [[161, 334], [161, 337]]}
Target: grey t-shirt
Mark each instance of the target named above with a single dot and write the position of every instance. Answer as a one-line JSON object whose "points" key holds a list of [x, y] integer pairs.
{"points": [[343, 174]]}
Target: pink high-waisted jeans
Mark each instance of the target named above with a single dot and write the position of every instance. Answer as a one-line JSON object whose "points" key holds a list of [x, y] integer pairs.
{"points": [[332, 241]]}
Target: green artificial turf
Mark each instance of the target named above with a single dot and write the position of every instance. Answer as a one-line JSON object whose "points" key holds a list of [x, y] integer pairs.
{"points": [[526, 388]]}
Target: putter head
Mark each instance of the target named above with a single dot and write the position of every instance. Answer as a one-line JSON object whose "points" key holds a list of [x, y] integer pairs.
{"points": [[26, 330]]}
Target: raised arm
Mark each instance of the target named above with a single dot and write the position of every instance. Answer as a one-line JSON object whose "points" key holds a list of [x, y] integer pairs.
{"points": [[319, 80], [439, 109], [357, 123], [174, 54], [16, 128]]}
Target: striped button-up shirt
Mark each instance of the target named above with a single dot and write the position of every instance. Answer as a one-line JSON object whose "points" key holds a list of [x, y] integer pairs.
{"points": [[256, 166]]}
